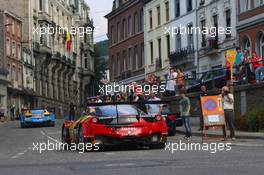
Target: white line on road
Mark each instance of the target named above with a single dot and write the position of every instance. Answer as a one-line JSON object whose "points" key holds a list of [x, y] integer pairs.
{"points": [[51, 138], [120, 164], [20, 154]]}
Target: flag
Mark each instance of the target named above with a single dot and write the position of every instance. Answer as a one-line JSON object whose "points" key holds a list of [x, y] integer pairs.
{"points": [[68, 42]]}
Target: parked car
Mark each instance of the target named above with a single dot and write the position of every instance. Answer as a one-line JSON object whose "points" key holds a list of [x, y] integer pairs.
{"points": [[211, 79]]}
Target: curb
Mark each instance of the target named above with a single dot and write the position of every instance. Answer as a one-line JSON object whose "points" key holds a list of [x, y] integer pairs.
{"points": [[237, 136]]}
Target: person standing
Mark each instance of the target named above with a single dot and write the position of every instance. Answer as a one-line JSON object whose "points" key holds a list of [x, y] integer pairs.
{"points": [[72, 112], [12, 112], [257, 65], [97, 99], [228, 104], [238, 62], [153, 109], [203, 92], [180, 79], [185, 106], [171, 81]]}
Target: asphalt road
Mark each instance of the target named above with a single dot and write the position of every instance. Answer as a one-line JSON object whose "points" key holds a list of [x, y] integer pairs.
{"points": [[18, 156]]}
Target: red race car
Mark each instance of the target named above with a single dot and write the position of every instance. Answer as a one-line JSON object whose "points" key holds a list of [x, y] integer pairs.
{"points": [[110, 125]]}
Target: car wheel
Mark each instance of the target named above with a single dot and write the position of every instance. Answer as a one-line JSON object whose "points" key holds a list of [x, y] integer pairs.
{"points": [[159, 145], [65, 136]]}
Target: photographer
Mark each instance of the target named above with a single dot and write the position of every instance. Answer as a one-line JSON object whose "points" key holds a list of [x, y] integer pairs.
{"points": [[228, 102]]}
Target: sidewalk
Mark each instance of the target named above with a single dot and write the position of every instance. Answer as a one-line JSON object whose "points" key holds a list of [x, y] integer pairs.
{"points": [[239, 134]]}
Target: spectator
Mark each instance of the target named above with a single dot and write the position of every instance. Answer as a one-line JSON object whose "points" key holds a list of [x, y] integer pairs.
{"points": [[203, 92], [185, 107], [12, 112], [257, 65], [228, 102], [246, 63], [72, 112], [119, 98], [238, 62], [180, 79], [141, 103], [153, 109], [171, 81], [2, 111], [108, 99], [97, 99]]}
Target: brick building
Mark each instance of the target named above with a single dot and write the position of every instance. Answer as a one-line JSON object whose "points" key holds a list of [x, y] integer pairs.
{"points": [[126, 41], [12, 51], [251, 25]]}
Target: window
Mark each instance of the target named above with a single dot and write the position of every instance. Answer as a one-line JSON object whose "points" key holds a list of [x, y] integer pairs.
{"points": [[113, 66], [86, 64], [19, 52], [190, 36], [260, 45], [125, 59], [158, 15], [151, 52], [259, 3], [129, 30], [8, 46], [141, 20], [124, 29], [135, 23], [203, 44], [118, 32], [14, 73], [13, 27], [159, 47], [112, 34], [177, 8], [13, 48], [168, 45], [228, 22], [129, 58], [142, 55], [135, 64], [167, 8], [246, 45], [245, 5], [150, 20], [118, 64], [189, 5], [178, 41], [7, 24], [40, 5], [202, 2]]}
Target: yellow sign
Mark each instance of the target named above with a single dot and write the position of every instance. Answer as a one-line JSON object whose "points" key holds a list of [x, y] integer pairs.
{"points": [[231, 58]]}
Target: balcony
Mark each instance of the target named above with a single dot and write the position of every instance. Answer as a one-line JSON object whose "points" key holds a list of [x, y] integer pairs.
{"points": [[43, 16], [182, 56], [210, 46]]}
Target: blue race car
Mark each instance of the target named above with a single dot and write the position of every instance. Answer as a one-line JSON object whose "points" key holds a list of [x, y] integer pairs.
{"points": [[37, 117]]}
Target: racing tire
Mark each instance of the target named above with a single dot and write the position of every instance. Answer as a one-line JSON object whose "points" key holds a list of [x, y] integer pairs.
{"points": [[65, 135], [159, 145]]}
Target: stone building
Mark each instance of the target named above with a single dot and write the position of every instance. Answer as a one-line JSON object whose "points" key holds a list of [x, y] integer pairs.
{"points": [[217, 16], [55, 64], [126, 41], [251, 25]]}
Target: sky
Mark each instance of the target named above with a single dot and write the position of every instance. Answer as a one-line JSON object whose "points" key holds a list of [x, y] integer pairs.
{"points": [[99, 8]]}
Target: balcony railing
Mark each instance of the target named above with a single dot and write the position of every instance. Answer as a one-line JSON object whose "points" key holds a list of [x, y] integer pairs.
{"points": [[182, 56]]}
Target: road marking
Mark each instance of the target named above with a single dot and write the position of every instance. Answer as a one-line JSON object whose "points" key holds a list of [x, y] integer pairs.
{"points": [[120, 164], [20, 154], [51, 138]]}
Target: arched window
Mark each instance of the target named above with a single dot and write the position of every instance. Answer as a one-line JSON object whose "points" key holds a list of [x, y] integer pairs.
{"points": [[246, 45], [260, 44]]}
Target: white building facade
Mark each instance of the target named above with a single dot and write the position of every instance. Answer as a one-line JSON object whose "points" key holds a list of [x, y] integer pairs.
{"points": [[165, 45], [222, 15]]}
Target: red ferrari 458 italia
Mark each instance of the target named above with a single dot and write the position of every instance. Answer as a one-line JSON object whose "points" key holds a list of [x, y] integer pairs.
{"points": [[110, 125]]}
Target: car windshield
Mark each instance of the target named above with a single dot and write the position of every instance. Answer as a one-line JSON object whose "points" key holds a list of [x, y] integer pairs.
{"points": [[123, 110]]}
